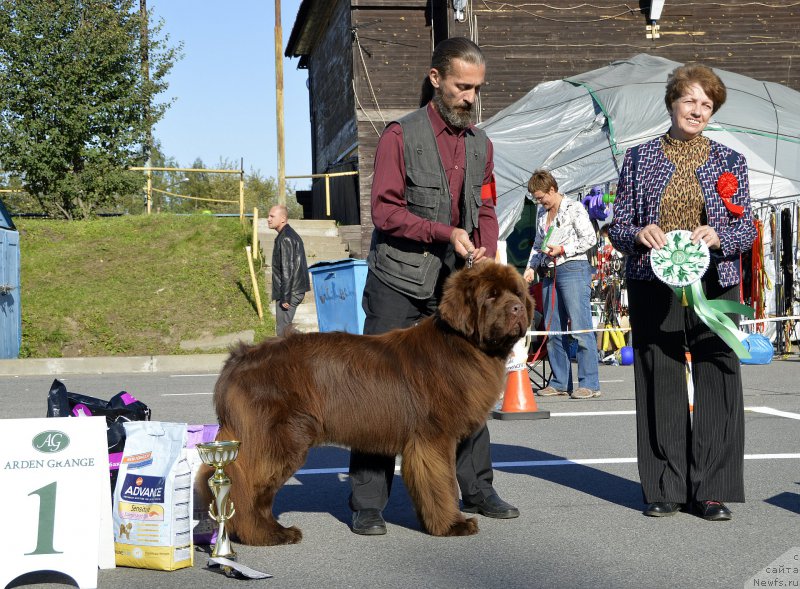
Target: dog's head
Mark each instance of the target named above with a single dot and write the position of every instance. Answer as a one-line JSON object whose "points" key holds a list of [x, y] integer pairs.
{"points": [[490, 305]]}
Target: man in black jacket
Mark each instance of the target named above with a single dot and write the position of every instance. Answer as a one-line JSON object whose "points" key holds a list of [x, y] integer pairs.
{"points": [[289, 269]]}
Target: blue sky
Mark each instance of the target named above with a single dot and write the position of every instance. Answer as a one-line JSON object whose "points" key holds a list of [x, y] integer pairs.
{"points": [[225, 86]]}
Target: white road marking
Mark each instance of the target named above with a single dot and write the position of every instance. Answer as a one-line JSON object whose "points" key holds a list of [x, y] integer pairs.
{"points": [[771, 411], [214, 374], [769, 456], [765, 410], [560, 462], [185, 394], [592, 413]]}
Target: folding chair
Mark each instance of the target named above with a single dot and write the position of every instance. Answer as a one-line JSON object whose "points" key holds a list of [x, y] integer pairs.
{"points": [[539, 369]]}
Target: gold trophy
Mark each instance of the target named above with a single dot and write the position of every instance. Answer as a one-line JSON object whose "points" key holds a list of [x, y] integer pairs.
{"points": [[218, 455]]}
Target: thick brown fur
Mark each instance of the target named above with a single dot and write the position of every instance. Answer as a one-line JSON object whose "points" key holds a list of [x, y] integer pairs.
{"points": [[414, 392]]}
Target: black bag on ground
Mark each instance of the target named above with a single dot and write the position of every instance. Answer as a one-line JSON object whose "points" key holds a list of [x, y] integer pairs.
{"points": [[120, 408]]}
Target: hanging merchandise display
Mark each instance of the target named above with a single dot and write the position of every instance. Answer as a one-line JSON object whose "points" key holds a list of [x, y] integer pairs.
{"points": [[760, 279], [787, 261], [596, 203], [787, 268], [609, 293]]}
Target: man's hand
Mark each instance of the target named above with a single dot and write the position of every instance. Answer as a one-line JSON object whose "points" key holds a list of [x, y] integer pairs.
{"points": [[464, 248], [285, 306], [461, 242], [651, 236]]}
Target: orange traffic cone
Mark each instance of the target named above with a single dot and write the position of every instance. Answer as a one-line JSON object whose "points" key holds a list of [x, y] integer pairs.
{"points": [[518, 401]]}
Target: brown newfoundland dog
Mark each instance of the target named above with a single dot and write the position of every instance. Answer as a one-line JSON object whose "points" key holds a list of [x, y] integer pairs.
{"points": [[414, 392]]}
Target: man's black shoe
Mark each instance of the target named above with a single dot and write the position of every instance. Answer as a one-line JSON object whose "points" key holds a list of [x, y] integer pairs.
{"points": [[369, 522], [662, 508], [492, 506], [714, 511]]}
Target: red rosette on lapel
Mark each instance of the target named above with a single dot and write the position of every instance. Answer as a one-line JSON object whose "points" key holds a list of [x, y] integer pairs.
{"points": [[727, 185]]}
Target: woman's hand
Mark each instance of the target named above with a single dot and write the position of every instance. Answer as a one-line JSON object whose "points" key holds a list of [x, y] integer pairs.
{"points": [[651, 236], [528, 275], [554, 250], [707, 234]]}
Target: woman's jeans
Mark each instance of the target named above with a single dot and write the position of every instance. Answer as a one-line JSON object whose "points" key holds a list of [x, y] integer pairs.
{"points": [[573, 286]]}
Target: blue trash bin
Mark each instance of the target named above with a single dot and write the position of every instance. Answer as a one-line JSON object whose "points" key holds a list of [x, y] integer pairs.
{"points": [[10, 308], [338, 287]]}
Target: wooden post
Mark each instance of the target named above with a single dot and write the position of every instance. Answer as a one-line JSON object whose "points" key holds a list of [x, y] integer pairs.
{"points": [[327, 195], [256, 291], [256, 251], [241, 192], [279, 104], [149, 190]]}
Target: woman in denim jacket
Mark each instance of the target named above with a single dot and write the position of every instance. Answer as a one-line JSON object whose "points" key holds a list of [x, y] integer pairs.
{"points": [[683, 180]]}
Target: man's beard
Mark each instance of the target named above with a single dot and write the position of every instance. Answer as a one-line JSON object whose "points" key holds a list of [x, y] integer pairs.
{"points": [[460, 118]]}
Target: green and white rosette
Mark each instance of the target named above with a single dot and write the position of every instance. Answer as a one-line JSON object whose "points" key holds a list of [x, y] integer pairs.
{"points": [[681, 264]]}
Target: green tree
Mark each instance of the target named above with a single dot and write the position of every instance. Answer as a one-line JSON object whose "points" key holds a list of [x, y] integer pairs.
{"points": [[198, 185], [75, 105]]}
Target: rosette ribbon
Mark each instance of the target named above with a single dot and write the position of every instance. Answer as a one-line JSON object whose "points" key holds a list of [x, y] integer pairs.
{"points": [[713, 314], [680, 264], [727, 185]]}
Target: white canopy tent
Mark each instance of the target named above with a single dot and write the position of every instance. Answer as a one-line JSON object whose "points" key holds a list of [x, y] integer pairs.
{"points": [[580, 127]]}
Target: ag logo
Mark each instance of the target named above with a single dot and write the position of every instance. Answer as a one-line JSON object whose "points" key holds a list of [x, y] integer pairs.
{"points": [[50, 441]]}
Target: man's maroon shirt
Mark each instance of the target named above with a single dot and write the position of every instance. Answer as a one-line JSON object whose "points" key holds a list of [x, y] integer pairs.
{"points": [[389, 212]]}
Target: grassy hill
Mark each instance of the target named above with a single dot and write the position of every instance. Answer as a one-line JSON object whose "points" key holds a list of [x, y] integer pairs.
{"points": [[137, 285]]}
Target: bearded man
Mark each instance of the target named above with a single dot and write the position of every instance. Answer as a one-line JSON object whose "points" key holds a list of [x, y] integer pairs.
{"points": [[433, 208]]}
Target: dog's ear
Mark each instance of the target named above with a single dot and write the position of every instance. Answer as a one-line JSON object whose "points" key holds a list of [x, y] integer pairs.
{"points": [[459, 306]]}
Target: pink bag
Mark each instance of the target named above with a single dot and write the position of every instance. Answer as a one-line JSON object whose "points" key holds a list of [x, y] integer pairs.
{"points": [[204, 529]]}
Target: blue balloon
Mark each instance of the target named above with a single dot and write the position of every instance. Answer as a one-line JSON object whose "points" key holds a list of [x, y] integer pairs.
{"points": [[626, 355]]}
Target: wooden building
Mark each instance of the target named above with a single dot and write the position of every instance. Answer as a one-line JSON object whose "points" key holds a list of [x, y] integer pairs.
{"points": [[366, 59]]}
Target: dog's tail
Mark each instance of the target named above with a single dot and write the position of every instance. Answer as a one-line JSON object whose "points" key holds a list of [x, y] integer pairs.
{"points": [[238, 357]]}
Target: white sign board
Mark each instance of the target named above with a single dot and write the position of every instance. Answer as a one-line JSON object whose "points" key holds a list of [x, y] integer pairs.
{"points": [[55, 489]]}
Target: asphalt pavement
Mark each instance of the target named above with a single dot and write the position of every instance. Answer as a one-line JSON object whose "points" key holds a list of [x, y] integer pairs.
{"points": [[573, 477]]}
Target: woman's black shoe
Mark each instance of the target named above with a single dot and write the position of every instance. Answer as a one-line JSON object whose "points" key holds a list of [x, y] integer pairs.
{"points": [[662, 508], [714, 511]]}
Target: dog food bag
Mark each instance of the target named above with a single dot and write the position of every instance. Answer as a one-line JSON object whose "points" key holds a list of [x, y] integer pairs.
{"points": [[153, 498], [204, 529]]}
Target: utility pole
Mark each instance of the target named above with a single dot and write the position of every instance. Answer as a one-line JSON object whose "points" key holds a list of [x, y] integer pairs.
{"points": [[144, 56], [279, 103]]}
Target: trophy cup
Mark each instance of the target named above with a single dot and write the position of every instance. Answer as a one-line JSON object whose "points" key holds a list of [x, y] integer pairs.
{"points": [[218, 455]]}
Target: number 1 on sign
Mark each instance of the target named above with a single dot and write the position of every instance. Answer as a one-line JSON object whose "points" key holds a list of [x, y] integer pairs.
{"points": [[47, 516]]}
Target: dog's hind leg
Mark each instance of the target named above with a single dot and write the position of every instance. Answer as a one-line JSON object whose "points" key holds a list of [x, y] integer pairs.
{"points": [[259, 474], [429, 473]]}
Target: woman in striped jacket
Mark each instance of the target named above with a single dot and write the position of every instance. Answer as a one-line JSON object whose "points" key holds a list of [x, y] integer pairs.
{"points": [[683, 180]]}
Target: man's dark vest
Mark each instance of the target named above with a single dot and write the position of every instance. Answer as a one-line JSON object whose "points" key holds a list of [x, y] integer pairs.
{"points": [[412, 267]]}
